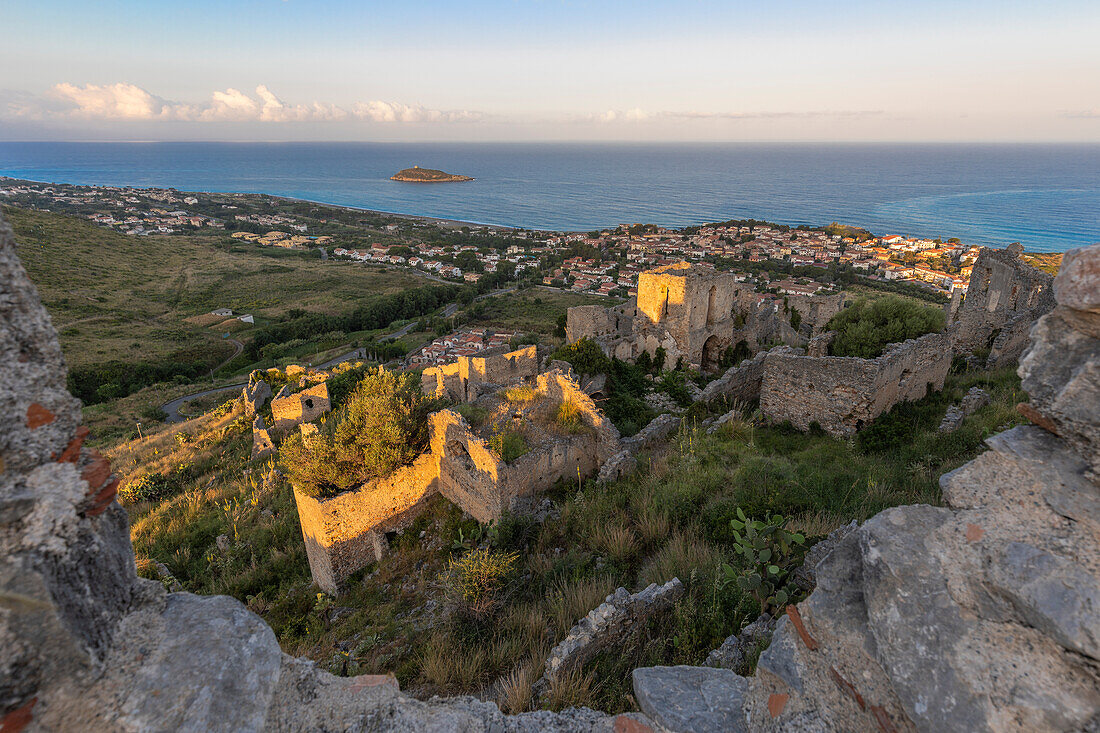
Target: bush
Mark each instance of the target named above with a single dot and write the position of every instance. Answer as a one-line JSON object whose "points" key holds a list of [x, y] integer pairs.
{"points": [[508, 444], [383, 426], [476, 581], [584, 356], [866, 327], [476, 415], [153, 487]]}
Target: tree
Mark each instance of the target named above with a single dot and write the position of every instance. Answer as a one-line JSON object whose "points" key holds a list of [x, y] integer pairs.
{"points": [[866, 327]]}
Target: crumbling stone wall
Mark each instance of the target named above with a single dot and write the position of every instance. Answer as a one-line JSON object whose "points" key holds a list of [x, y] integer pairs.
{"points": [[844, 393], [304, 406], [262, 444], [473, 477], [347, 532], [463, 380], [816, 310], [694, 313], [255, 394], [1005, 296]]}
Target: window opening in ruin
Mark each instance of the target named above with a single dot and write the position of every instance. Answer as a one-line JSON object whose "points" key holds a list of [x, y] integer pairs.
{"points": [[459, 452], [309, 403], [710, 304], [712, 354], [391, 537], [664, 308]]}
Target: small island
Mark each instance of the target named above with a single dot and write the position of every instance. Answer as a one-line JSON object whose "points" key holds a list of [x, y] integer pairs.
{"points": [[416, 174]]}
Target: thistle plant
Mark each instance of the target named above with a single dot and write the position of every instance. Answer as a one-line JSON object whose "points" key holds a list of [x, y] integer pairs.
{"points": [[766, 548]]}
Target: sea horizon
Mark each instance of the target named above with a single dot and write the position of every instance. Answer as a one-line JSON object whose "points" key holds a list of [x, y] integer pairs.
{"points": [[1043, 195]]}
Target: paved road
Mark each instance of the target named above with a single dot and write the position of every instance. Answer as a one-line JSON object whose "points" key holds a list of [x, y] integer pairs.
{"points": [[171, 409]]}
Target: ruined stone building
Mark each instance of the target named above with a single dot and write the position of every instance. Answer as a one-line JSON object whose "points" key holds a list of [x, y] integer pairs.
{"points": [[697, 313], [844, 393], [300, 407], [1005, 296], [465, 379], [348, 531]]}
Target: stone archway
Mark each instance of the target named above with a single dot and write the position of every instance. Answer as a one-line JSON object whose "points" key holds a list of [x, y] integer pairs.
{"points": [[712, 354]]}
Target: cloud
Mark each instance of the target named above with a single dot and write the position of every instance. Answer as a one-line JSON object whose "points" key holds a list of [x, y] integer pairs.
{"points": [[640, 115], [125, 101]]}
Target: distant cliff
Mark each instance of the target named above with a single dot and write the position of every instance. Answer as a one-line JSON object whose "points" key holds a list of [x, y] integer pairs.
{"points": [[416, 174]]}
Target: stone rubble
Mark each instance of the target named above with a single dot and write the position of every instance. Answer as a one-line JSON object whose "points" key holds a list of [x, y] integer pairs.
{"points": [[608, 624], [975, 399]]}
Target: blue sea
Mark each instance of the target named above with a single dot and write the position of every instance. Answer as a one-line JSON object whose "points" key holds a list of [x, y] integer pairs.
{"points": [[1044, 196]]}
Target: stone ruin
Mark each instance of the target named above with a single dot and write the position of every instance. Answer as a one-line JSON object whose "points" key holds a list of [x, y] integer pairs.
{"points": [[262, 444], [696, 313], [255, 394], [844, 393], [300, 407], [1005, 296], [470, 376], [977, 616], [348, 531], [983, 615], [974, 399]]}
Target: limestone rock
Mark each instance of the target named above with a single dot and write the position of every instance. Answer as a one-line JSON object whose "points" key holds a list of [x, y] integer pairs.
{"points": [[1078, 283], [737, 649], [692, 699], [975, 399]]}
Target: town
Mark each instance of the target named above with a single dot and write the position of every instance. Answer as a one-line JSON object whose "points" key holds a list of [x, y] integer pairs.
{"points": [[605, 262]]}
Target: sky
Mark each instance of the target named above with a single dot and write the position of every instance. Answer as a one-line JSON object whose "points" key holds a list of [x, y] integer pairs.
{"points": [[515, 70]]}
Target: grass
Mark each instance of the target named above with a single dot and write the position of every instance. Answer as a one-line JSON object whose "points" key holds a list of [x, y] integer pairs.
{"points": [[92, 281], [669, 519], [532, 311]]}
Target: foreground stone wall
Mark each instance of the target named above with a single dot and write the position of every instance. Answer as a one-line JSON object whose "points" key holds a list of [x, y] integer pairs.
{"points": [[1005, 296], [462, 380]]}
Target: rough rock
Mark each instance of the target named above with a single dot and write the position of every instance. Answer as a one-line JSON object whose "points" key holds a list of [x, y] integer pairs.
{"points": [[737, 649], [720, 422], [255, 394], [1061, 370], [692, 699]]}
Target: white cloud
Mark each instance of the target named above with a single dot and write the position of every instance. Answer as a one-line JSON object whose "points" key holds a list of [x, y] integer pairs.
{"points": [[124, 101]]}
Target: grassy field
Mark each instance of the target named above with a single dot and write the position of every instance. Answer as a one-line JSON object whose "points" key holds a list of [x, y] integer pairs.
{"points": [[669, 519], [532, 311], [113, 296]]}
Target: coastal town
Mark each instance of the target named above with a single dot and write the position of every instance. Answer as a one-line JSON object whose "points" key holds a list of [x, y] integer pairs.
{"points": [[602, 263]]}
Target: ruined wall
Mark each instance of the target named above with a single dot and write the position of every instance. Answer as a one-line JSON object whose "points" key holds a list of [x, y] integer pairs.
{"points": [[1005, 296], [842, 394], [304, 406], [474, 478], [262, 445], [461, 381], [347, 532], [816, 310]]}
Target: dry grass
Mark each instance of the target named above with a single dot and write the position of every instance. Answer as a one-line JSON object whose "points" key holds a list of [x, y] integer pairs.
{"points": [[572, 689], [515, 695], [685, 552], [619, 542], [520, 394], [572, 600]]}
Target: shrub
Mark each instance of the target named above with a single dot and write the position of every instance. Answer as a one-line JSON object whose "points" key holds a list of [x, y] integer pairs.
{"points": [[768, 551], [866, 327], [584, 356], [382, 426], [569, 417], [153, 487], [476, 581], [508, 444], [476, 415], [519, 394]]}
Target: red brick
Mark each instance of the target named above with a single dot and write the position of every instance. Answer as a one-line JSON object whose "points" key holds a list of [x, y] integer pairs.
{"points": [[776, 702], [37, 416], [17, 719]]}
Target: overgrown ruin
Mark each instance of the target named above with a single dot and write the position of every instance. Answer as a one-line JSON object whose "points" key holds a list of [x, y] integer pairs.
{"points": [[466, 378], [348, 531], [696, 313]]}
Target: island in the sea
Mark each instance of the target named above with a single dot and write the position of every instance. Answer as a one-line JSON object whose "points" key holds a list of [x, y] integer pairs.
{"points": [[416, 174]]}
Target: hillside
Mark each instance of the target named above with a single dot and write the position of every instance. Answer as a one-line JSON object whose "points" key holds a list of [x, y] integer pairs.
{"points": [[416, 174]]}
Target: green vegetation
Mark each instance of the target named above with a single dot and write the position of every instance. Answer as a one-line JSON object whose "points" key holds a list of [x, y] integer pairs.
{"points": [[626, 388], [135, 311], [382, 426], [866, 327], [508, 444], [768, 553], [530, 311], [672, 518]]}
